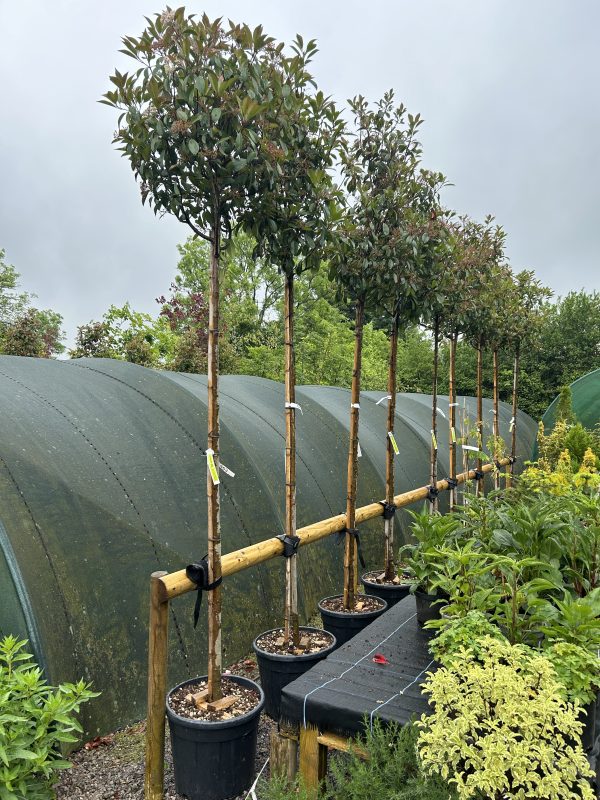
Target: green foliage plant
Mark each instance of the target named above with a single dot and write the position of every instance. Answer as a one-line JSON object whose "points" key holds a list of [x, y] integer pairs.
{"points": [[456, 634], [36, 720], [432, 531], [500, 728], [390, 771], [573, 619], [577, 669]]}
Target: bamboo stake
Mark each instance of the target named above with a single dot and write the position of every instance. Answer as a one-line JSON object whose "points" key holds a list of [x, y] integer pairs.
{"points": [[480, 487], [434, 450], [496, 415], [350, 550], [515, 398], [452, 419], [389, 566], [214, 527], [158, 642], [291, 623], [177, 583]]}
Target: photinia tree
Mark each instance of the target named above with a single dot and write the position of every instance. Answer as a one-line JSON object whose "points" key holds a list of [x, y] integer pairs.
{"points": [[200, 123], [293, 224], [380, 156]]}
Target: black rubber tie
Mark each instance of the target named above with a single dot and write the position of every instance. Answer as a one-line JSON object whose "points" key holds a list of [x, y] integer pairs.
{"points": [[452, 483], [389, 509], [432, 493], [478, 475], [512, 459], [353, 532], [290, 545], [198, 573], [498, 465]]}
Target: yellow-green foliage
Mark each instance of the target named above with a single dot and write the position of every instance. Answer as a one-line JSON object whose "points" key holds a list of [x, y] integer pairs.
{"points": [[500, 728]]}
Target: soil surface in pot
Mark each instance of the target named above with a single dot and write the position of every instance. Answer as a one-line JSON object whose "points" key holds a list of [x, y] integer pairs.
{"points": [[362, 606], [310, 642], [379, 578], [186, 705]]}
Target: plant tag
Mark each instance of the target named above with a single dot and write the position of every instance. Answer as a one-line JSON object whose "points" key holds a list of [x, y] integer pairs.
{"points": [[452, 405], [210, 458], [358, 450], [295, 405], [434, 439], [453, 434], [470, 447], [354, 405], [394, 443], [512, 425], [381, 399], [226, 470]]}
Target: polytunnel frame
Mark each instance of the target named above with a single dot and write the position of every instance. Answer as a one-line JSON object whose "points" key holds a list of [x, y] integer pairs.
{"points": [[165, 587]]}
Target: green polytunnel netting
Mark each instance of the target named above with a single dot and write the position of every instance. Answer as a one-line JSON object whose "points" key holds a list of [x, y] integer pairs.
{"points": [[103, 481], [586, 402]]}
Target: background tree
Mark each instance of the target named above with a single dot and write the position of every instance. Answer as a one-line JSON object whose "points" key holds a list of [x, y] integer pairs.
{"points": [[25, 330], [200, 127]]}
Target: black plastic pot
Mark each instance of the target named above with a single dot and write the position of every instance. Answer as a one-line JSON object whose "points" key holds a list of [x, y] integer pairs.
{"points": [[214, 760], [390, 592], [279, 669], [428, 606], [588, 735], [345, 625]]}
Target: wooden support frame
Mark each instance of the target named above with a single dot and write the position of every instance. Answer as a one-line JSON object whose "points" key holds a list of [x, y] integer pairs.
{"points": [[166, 586]]}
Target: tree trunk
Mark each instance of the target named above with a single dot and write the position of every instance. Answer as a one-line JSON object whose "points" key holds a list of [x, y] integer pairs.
{"points": [[480, 488], [452, 418], [389, 566], [515, 400], [434, 448], [350, 551], [291, 624], [214, 526], [496, 415]]}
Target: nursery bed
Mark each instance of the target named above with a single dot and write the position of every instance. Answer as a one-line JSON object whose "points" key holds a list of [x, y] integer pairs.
{"points": [[338, 692]]}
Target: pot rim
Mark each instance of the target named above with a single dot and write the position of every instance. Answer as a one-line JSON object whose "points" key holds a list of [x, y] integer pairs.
{"points": [[403, 583], [293, 656], [219, 724], [351, 614]]}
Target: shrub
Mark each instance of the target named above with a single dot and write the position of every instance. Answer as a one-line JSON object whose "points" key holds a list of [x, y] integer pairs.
{"points": [[391, 772], [35, 720], [500, 728], [458, 633], [577, 669]]}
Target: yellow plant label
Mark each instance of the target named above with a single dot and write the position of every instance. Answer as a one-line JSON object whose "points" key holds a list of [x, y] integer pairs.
{"points": [[394, 443], [434, 439], [453, 434], [212, 467]]}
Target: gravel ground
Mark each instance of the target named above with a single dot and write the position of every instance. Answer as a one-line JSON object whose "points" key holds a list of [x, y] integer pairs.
{"points": [[113, 768]]}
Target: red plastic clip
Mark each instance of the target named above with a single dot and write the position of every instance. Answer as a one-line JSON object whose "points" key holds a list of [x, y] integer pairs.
{"points": [[378, 658]]}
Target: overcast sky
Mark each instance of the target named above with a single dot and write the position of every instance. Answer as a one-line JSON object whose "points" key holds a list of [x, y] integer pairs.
{"points": [[508, 89]]}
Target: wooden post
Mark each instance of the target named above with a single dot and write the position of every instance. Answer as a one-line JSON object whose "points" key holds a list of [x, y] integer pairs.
{"points": [[480, 487], [291, 620], [158, 635], [389, 566], [313, 759], [434, 450], [350, 550], [496, 415], [283, 756], [214, 523], [452, 419]]}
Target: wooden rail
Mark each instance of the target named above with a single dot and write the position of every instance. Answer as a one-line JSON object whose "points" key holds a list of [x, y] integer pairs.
{"points": [[164, 587]]}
